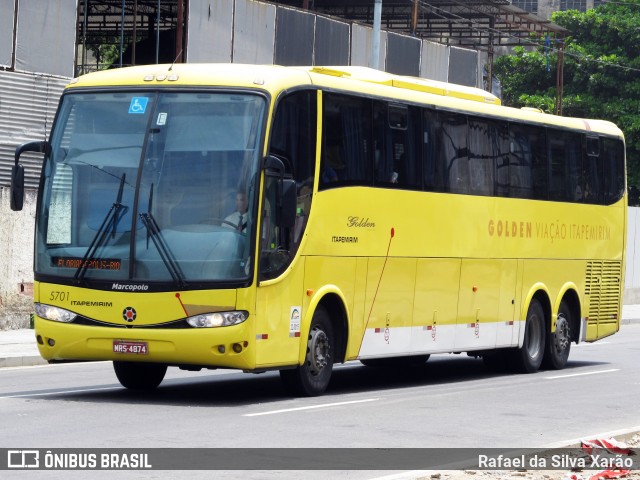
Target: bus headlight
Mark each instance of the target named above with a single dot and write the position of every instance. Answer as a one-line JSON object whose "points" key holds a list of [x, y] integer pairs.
{"points": [[54, 313], [218, 319]]}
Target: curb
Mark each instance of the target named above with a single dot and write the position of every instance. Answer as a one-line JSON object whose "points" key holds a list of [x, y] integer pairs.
{"points": [[22, 361]]}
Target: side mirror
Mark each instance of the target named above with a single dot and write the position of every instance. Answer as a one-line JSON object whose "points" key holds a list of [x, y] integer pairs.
{"points": [[273, 166], [37, 147], [17, 187], [287, 214], [287, 191], [17, 172]]}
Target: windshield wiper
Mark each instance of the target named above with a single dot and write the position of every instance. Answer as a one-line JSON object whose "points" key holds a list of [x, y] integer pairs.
{"points": [[110, 222], [153, 231]]}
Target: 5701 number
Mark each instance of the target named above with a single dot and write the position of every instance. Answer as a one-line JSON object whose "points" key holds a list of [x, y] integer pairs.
{"points": [[58, 296]]}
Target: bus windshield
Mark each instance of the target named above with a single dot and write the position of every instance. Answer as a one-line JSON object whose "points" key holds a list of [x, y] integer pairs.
{"points": [[151, 187]]}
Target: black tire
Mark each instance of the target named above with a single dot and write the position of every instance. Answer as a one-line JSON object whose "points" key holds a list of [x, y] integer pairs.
{"points": [[139, 376], [396, 362], [558, 344], [528, 358], [312, 377]]}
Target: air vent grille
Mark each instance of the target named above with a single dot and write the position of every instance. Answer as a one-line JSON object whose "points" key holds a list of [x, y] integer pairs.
{"points": [[603, 284]]}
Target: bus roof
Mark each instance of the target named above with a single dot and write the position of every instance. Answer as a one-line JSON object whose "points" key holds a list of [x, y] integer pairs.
{"points": [[274, 79], [364, 74]]}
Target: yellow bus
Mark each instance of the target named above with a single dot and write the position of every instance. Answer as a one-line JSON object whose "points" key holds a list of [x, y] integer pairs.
{"points": [[289, 218]]}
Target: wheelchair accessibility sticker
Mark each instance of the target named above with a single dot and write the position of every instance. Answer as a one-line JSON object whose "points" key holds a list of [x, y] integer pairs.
{"points": [[138, 105]]}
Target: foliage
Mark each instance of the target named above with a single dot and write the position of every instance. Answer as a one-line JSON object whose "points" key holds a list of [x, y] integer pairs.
{"points": [[105, 50], [601, 72]]}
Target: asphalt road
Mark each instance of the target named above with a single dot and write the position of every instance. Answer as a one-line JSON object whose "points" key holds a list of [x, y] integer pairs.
{"points": [[452, 401]]}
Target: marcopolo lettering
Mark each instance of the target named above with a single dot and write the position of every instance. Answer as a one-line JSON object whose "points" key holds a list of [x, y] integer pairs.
{"points": [[130, 287]]}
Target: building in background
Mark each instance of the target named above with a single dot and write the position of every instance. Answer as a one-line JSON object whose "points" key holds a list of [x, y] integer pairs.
{"points": [[545, 8]]}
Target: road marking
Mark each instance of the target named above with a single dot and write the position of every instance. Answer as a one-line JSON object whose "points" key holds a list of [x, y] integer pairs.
{"points": [[581, 374], [589, 344], [310, 407], [59, 392], [55, 365]]}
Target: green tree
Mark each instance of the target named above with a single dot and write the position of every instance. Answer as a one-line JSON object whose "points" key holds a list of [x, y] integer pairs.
{"points": [[601, 72], [106, 51]]}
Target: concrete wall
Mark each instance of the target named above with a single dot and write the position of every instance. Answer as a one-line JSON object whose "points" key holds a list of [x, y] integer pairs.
{"points": [[16, 261], [632, 271]]}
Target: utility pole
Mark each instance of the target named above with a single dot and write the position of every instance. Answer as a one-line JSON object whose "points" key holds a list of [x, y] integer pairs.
{"points": [[180, 31], [158, 33], [122, 32], [560, 76], [414, 17]]}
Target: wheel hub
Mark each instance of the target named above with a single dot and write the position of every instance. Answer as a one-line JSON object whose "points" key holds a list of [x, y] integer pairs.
{"points": [[561, 338], [534, 331], [318, 351]]}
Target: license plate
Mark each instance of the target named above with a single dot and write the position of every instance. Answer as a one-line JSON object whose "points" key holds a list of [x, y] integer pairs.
{"points": [[125, 346]]}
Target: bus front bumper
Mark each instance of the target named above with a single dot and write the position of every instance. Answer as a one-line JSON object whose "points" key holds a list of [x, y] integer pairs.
{"points": [[224, 347]]}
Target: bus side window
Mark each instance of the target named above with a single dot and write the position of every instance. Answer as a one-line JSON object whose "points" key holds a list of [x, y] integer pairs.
{"points": [[502, 157], [454, 146], [565, 149], [528, 168], [432, 159], [613, 163], [382, 146], [293, 141], [397, 147], [483, 149], [592, 172], [346, 142]]}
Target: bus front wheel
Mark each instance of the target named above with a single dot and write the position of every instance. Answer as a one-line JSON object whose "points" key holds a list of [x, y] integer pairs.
{"points": [[558, 344], [139, 376], [313, 376], [528, 358]]}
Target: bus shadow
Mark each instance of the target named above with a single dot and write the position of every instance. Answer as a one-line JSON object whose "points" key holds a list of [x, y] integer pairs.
{"points": [[442, 370], [236, 389]]}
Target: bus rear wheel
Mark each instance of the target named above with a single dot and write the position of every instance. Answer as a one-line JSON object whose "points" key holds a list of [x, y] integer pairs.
{"points": [[528, 358], [312, 377], [558, 344], [139, 376]]}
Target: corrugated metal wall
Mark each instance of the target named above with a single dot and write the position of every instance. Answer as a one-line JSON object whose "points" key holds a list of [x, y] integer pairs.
{"points": [[403, 54], [27, 106], [331, 43], [361, 44], [463, 66], [295, 31], [435, 61]]}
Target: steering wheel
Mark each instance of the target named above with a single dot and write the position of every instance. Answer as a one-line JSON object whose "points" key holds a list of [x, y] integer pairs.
{"points": [[222, 221]]}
